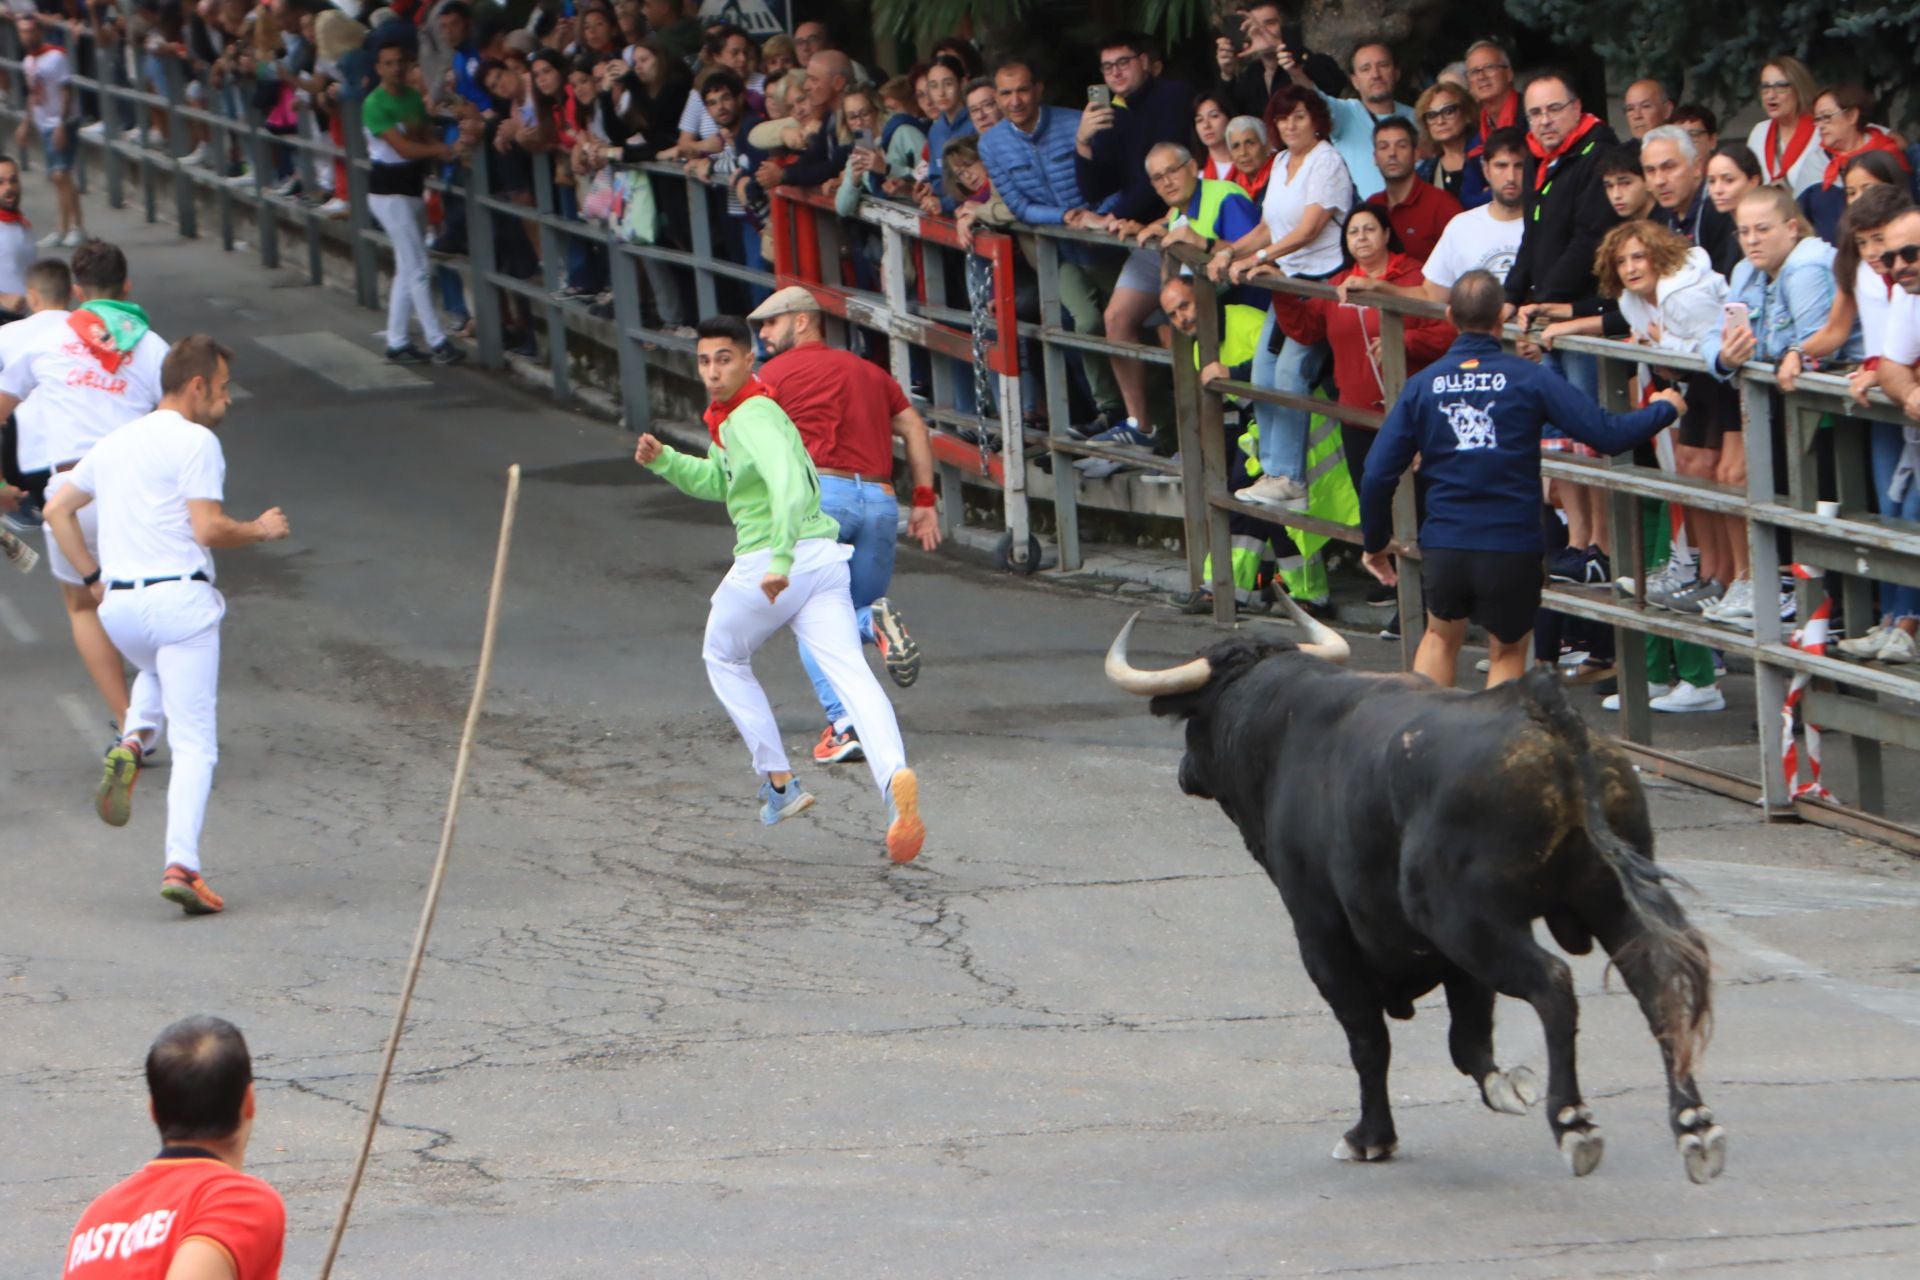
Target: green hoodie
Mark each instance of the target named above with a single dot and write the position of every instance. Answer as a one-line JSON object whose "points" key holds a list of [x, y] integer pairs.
{"points": [[759, 467]]}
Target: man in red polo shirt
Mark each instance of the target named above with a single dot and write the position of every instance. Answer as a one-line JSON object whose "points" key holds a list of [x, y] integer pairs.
{"points": [[190, 1214], [1419, 211], [848, 411]]}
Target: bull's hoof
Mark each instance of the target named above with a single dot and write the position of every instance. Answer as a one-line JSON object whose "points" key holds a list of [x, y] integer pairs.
{"points": [[1346, 1150], [1510, 1092], [1703, 1144], [1581, 1142]]}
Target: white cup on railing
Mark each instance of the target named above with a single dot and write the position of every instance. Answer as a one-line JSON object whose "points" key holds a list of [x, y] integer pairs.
{"points": [[1827, 510]]}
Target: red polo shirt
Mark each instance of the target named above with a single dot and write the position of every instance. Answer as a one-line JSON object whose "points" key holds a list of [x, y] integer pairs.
{"points": [[843, 405], [132, 1231], [1420, 218]]}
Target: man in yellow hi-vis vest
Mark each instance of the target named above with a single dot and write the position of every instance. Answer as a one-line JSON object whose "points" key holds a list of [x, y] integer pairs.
{"points": [[1330, 490]]}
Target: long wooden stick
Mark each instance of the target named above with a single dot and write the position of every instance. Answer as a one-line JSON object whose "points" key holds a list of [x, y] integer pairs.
{"points": [[439, 868]]}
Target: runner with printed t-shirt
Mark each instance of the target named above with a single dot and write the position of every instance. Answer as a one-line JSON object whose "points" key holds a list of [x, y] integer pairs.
{"points": [[48, 286], [191, 1213], [160, 482], [400, 145], [98, 371]]}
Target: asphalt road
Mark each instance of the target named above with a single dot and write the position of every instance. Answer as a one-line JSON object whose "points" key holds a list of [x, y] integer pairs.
{"points": [[655, 1038]]}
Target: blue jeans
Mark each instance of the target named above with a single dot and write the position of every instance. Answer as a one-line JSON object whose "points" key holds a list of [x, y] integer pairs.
{"points": [[1579, 368], [1889, 441], [746, 252], [1295, 368], [869, 519]]}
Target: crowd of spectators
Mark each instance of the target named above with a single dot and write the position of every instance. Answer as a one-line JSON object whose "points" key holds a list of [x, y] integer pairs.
{"points": [[1284, 160]]}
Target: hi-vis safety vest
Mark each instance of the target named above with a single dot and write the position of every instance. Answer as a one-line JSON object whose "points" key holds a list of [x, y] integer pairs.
{"points": [[1205, 221]]}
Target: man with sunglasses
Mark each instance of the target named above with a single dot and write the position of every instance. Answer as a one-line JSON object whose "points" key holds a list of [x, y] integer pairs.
{"points": [[1899, 377]]}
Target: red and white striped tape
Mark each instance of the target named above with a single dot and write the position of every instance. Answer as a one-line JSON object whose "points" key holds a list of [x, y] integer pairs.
{"points": [[1811, 638]]}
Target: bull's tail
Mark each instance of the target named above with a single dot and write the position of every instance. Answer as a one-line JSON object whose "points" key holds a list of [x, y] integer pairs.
{"points": [[1681, 1003]]}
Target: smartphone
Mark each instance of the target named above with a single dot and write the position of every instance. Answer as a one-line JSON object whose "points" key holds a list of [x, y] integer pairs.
{"points": [[1737, 316], [863, 138], [1098, 95]]}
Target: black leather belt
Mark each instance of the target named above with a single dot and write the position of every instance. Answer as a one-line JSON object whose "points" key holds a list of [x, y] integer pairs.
{"points": [[196, 576]]}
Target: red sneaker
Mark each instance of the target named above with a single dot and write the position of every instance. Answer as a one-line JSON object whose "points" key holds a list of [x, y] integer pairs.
{"points": [[188, 891], [836, 748]]}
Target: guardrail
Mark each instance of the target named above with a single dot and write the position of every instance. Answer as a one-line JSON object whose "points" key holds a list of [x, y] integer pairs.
{"points": [[1869, 705]]}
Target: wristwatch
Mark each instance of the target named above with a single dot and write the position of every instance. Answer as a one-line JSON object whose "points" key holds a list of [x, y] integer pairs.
{"points": [[90, 579]]}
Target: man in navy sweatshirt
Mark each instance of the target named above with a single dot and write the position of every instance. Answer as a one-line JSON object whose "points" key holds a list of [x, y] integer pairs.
{"points": [[1474, 417]]}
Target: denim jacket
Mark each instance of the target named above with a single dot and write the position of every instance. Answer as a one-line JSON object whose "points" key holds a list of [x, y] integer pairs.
{"points": [[1792, 305]]}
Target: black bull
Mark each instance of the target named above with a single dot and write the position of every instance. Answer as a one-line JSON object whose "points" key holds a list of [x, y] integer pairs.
{"points": [[1415, 835]]}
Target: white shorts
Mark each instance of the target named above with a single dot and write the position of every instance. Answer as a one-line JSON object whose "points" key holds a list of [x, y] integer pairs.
{"points": [[57, 563]]}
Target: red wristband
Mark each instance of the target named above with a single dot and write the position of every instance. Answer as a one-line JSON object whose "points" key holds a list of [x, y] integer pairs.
{"points": [[923, 496]]}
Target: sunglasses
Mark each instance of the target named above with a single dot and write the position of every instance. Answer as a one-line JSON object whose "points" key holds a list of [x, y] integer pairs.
{"points": [[1907, 253], [1441, 113]]}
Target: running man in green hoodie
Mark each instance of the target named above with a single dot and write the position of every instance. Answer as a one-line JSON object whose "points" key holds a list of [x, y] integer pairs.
{"points": [[789, 569], [89, 372]]}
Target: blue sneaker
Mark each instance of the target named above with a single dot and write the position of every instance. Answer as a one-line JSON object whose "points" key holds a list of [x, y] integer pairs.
{"points": [[776, 804], [26, 520], [1127, 434]]}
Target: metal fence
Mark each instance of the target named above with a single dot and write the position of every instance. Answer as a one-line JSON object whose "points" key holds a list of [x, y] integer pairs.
{"points": [[902, 301]]}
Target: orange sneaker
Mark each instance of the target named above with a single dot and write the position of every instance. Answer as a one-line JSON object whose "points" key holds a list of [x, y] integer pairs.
{"points": [[837, 748], [187, 890], [113, 798], [905, 832]]}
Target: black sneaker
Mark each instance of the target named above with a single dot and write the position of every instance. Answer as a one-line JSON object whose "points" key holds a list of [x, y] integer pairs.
{"points": [[447, 353], [1599, 568], [1380, 594], [408, 354], [1568, 564]]}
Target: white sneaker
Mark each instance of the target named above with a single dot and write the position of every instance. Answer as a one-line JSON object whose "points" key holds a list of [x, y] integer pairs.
{"points": [[1899, 648], [51, 240], [74, 238], [1865, 646], [1690, 697], [335, 208], [1612, 701], [195, 157], [94, 132], [1735, 604], [1276, 491]]}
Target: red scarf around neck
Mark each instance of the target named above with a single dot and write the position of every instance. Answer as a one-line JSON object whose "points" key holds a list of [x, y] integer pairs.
{"points": [[720, 410], [1547, 161], [1802, 136], [1505, 117], [17, 217], [1878, 139]]}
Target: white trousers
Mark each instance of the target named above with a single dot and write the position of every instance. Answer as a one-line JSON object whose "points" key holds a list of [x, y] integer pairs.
{"points": [[404, 219], [818, 605], [171, 632]]}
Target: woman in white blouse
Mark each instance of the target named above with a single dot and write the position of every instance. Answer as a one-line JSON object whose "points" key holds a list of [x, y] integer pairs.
{"points": [[1308, 195], [1786, 142]]}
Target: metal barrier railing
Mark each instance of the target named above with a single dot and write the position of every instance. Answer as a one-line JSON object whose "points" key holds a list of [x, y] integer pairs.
{"points": [[1868, 705]]}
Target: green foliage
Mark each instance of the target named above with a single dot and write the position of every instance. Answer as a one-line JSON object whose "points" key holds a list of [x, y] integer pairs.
{"points": [[1715, 48], [922, 21]]}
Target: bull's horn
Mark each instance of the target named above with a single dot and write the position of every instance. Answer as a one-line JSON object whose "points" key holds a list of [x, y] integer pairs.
{"points": [[1322, 640], [1184, 678]]}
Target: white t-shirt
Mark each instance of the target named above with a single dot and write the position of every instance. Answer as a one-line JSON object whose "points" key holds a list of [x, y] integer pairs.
{"points": [[1474, 241], [1873, 299], [83, 400], [1323, 180], [17, 253], [47, 77], [1902, 341], [141, 477], [1810, 168], [30, 417]]}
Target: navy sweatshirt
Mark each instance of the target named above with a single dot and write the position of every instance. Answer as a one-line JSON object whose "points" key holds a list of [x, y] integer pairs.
{"points": [[1115, 180], [1475, 417]]}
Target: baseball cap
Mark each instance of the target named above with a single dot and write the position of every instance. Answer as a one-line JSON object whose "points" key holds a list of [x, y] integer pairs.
{"points": [[784, 302]]}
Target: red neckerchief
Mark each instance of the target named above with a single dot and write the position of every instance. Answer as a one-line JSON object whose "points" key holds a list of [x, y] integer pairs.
{"points": [[1505, 117], [1802, 135], [92, 331], [719, 411], [17, 217], [1547, 162], [1253, 183], [1878, 139]]}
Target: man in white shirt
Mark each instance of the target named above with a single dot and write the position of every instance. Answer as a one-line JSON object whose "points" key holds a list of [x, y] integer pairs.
{"points": [[23, 439], [98, 370], [1900, 355], [160, 484], [1482, 239], [16, 239], [54, 112]]}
